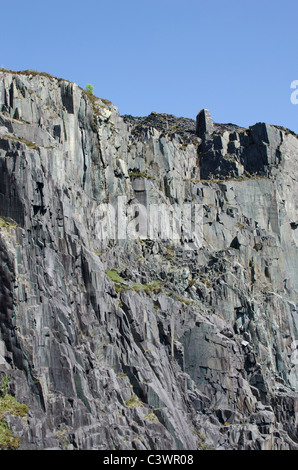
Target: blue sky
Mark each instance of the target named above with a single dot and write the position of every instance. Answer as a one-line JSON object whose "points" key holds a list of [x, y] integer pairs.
{"points": [[235, 58]]}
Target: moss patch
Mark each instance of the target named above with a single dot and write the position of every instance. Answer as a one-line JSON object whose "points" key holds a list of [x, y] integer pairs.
{"points": [[6, 222], [151, 417], [114, 276], [121, 285], [8, 404], [153, 286], [7, 440], [133, 402]]}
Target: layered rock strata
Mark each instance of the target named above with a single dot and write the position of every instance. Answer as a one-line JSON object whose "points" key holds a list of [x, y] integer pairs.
{"points": [[148, 294]]}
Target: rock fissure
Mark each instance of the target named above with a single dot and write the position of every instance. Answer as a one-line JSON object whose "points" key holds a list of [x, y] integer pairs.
{"points": [[148, 271]]}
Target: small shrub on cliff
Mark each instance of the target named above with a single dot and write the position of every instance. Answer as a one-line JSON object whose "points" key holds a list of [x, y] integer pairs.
{"points": [[89, 88]]}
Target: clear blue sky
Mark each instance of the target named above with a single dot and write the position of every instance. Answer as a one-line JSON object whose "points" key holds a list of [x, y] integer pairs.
{"points": [[236, 58]]}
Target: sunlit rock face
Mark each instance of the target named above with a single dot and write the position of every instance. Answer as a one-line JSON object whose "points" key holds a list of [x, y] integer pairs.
{"points": [[148, 266]]}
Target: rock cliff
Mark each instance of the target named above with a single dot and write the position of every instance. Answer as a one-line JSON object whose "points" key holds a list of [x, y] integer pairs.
{"points": [[148, 267]]}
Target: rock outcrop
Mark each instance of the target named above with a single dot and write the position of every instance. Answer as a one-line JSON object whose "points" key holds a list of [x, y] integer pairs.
{"points": [[148, 294]]}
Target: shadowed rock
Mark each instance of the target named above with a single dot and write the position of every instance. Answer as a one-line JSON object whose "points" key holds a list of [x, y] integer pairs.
{"points": [[204, 123], [183, 337]]}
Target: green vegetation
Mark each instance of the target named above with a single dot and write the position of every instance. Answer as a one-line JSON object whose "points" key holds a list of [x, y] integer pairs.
{"points": [[89, 88], [106, 102], [6, 222], [133, 402], [28, 143], [227, 179], [151, 417], [121, 374], [134, 174], [8, 404], [89, 92], [114, 276], [206, 282], [29, 72], [184, 145], [121, 285], [62, 436], [153, 286], [183, 300], [286, 131], [98, 253], [4, 387]]}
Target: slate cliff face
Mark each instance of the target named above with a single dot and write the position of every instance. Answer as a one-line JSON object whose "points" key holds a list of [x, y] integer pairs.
{"points": [[117, 337]]}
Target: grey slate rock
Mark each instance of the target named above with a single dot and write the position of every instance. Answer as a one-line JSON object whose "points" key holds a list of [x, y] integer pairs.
{"points": [[204, 123], [145, 343]]}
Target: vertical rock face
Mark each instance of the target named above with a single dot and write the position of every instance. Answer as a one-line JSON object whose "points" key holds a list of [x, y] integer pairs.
{"points": [[204, 123], [148, 267]]}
